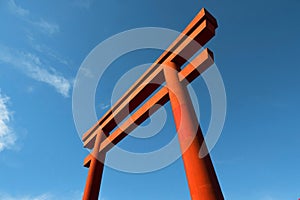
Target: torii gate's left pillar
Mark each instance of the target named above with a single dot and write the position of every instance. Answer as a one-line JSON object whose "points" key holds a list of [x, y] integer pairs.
{"points": [[95, 164]]}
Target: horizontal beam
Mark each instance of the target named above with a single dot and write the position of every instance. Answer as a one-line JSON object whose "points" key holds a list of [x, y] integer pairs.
{"points": [[187, 75], [201, 30], [87, 161]]}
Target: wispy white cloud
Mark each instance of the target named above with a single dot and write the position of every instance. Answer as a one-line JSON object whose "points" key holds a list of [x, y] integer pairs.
{"points": [[46, 27], [46, 50], [17, 10], [268, 197], [31, 63], [7, 135], [103, 106], [46, 196], [27, 197], [32, 66], [87, 72], [86, 4], [42, 25]]}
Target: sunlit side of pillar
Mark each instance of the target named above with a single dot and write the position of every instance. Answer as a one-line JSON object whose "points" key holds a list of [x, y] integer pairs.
{"points": [[201, 177]]}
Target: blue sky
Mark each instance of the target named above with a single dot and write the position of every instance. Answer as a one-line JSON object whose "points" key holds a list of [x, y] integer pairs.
{"points": [[42, 45]]}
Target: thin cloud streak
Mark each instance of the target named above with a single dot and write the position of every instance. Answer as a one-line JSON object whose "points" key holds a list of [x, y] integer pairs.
{"points": [[86, 4], [47, 27], [40, 197], [42, 25], [45, 50], [104, 106], [267, 197], [46, 196], [31, 65], [7, 135], [17, 10]]}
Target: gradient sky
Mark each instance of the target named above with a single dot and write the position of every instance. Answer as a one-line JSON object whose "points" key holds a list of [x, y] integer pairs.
{"points": [[43, 43]]}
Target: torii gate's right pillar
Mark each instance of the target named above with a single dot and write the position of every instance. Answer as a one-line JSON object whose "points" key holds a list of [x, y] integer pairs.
{"points": [[200, 173]]}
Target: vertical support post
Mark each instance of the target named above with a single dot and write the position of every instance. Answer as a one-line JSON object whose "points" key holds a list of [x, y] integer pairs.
{"points": [[96, 165], [201, 177]]}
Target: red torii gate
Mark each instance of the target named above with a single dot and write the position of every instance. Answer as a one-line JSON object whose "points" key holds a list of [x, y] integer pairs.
{"points": [[202, 180]]}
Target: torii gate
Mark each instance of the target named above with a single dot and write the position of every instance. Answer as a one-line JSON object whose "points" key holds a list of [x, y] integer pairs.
{"points": [[201, 177]]}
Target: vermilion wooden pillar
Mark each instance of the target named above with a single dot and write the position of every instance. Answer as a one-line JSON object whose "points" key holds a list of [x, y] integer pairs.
{"points": [[201, 177], [96, 165]]}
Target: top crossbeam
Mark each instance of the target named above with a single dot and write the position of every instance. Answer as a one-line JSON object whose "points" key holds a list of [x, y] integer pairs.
{"points": [[196, 34]]}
